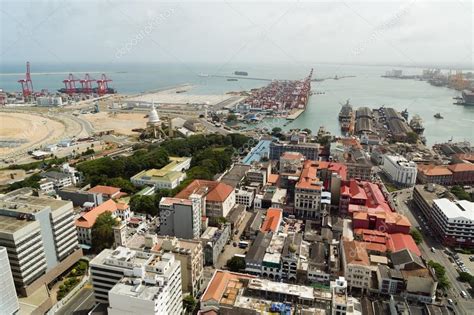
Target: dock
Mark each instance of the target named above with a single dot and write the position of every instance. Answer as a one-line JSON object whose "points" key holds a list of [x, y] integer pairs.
{"points": [[295, 115]]}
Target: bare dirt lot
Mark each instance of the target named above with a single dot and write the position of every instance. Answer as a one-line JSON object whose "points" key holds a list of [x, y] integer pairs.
{"points": [[121, 123], [19, 131]]}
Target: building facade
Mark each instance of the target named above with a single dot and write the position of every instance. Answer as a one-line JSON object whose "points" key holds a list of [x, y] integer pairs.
{"points": [[399, 170], [39, 236], [131, 281], [9, 301], [180, 217]]}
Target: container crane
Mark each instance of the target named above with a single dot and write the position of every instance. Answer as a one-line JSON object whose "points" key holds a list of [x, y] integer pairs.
{"points": [[86, 84], [102, 83], [70, 84], [27, 84]]}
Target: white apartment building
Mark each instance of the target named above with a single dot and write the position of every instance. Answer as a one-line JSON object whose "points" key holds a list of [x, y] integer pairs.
{"points": [[399, 170], [9, 300], [40, 238], [454, 221], [244, 197], [136, 282], [181, 217]]}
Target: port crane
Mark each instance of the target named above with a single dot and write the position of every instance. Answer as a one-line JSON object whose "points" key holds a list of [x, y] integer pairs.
{"points": [[102, 84], [86, 84], [70, 84], [27, 83]]}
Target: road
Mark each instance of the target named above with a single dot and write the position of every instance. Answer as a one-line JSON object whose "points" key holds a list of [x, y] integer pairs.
{"points": [[80, 304], [416, 218]]}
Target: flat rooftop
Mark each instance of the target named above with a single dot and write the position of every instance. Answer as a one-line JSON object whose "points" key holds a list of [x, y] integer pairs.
{"points": [[456, 209], [10, 225]]}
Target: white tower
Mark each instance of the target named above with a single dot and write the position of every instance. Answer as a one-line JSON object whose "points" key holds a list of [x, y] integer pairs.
{"points": [[154, 122]]}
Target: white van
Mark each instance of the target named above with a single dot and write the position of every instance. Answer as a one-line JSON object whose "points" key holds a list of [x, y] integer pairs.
{"points": [[464, 294]]}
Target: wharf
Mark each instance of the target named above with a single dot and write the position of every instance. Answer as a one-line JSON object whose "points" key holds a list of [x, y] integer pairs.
{"points": [[295, 114]]}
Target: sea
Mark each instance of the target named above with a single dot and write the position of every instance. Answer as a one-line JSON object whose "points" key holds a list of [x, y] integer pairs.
{"points": [[362, 85]]}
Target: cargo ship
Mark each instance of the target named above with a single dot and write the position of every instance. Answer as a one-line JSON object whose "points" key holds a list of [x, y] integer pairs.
{"points": [[417, 124], [346, 118], [241, 73], [95, 90], [466, 99]]}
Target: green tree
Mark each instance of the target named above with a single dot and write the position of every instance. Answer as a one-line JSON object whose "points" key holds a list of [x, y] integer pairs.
{"points": [[231, 118], [102, 232], [440, 271], [276, 131], [236, 264], [465, 277], [412, 137], [460, 193], [307, 130], [417, 237], [189, 303], [144, 204]]}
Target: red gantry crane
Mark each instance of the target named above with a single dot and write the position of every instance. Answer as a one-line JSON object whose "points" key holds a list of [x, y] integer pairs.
{"points": [[27, 84], [103, 85], [70, 84], [87, 84]]}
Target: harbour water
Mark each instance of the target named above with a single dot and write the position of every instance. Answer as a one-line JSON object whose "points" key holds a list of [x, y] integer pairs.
{"points": [[366, 88]]}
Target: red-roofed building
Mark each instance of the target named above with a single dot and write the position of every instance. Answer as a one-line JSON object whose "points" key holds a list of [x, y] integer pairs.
{"points": [[369, 209], [219, 198], [87, 219], [308, 192], [463, 173], [272, 220], [399, 241], [108, 192]]}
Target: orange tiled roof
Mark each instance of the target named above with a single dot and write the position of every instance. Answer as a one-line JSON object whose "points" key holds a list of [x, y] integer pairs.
{"points": [[107, 190], [217, 191], [122, 206], [87, 220], [273, 178], [309, 178], [399, 241], [461, 167], [356, 253], [272, 220], [219, 282], [433, 170]]}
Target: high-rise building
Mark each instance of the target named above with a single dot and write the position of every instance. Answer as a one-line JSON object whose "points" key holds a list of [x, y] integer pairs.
{"points": [[137, 282], [9, 300], [40, 238], [180, 217]]}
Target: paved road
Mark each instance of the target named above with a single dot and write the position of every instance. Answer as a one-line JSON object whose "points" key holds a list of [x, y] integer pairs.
{"points": [[80, 304], [416, 218]]}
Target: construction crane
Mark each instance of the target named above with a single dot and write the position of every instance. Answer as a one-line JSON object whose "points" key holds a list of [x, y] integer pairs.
{"points": [[103, 86], [70, 84], [86, 84], [27, 84]]}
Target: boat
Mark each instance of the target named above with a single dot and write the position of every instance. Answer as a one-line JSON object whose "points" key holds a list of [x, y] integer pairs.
{"points": [[346, 117], [438, 116], [232, 79], [468, 97], [241, 73], [417, 124], [405, 114]]}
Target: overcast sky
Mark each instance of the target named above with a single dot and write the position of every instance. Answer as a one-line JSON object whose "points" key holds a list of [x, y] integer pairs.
{"points": [[374, 32]]}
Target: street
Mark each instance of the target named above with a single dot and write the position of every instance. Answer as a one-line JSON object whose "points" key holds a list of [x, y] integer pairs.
{"points": [[416, 218], [80, 304]]}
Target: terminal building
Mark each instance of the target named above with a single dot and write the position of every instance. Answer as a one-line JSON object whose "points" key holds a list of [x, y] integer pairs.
{"points": [[39, 236]]}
